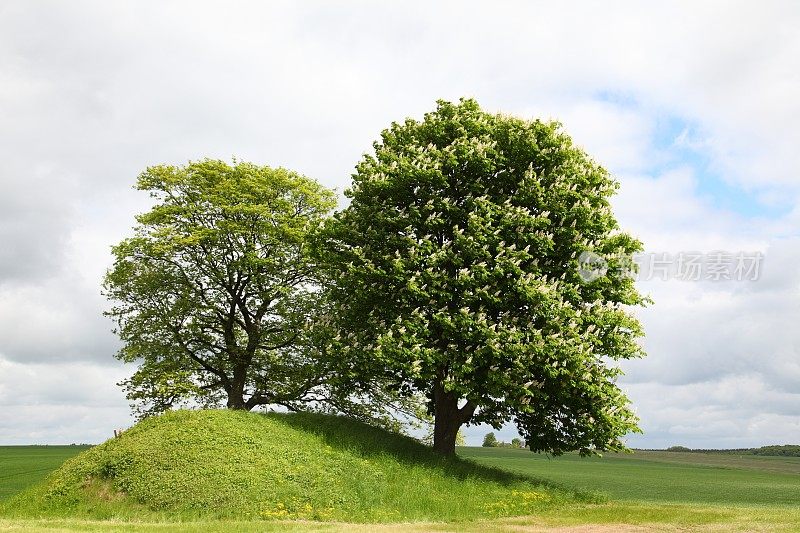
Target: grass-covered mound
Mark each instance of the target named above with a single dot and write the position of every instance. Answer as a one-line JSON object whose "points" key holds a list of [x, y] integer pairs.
{"points": [[227, 464]]}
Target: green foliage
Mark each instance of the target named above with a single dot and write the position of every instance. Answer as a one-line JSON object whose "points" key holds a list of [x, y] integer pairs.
{"points": [[678, 449], [785, 450], [490, 441], [214, 292], [234, 464], [454, 272]]}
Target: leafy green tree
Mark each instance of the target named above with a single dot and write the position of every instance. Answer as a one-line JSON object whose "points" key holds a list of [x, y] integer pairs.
{"points": [[455, 274], [678, 449], [490, 440], [516, 442], [214, 293]]}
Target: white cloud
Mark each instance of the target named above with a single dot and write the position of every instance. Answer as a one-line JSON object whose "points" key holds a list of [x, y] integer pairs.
{"points": [[618, 137], [736, 412], [58, 319], [57, 402], [91, 94]]}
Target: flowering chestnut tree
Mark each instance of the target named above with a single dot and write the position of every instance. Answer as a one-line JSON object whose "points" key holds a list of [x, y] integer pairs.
{"points": [[455, 275]]}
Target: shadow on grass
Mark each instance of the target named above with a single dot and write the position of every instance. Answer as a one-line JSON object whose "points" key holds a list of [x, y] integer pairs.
{"points": [[367, 441]]}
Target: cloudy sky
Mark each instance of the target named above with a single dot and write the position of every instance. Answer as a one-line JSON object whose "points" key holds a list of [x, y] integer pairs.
{"points": [[693, 106]]}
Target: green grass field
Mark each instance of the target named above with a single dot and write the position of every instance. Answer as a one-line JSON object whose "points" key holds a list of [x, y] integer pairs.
{"points": [[663, 477], [222, 464], [382, 485], [23, 466]]}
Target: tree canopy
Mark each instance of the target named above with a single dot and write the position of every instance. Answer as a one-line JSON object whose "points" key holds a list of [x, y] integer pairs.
{"points": [[454, 273], [214, 293]]}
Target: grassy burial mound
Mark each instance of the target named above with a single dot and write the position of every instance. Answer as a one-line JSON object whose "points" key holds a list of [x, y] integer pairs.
{"points": [[233, 464]]}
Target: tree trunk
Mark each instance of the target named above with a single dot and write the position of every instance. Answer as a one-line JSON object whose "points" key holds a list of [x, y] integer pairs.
{"points": [[236, 390], [236, 400], [448, 418]]}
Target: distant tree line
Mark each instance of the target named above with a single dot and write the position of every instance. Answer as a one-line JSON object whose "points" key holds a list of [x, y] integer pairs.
{"points": [[785, 450], [490, 441]]}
